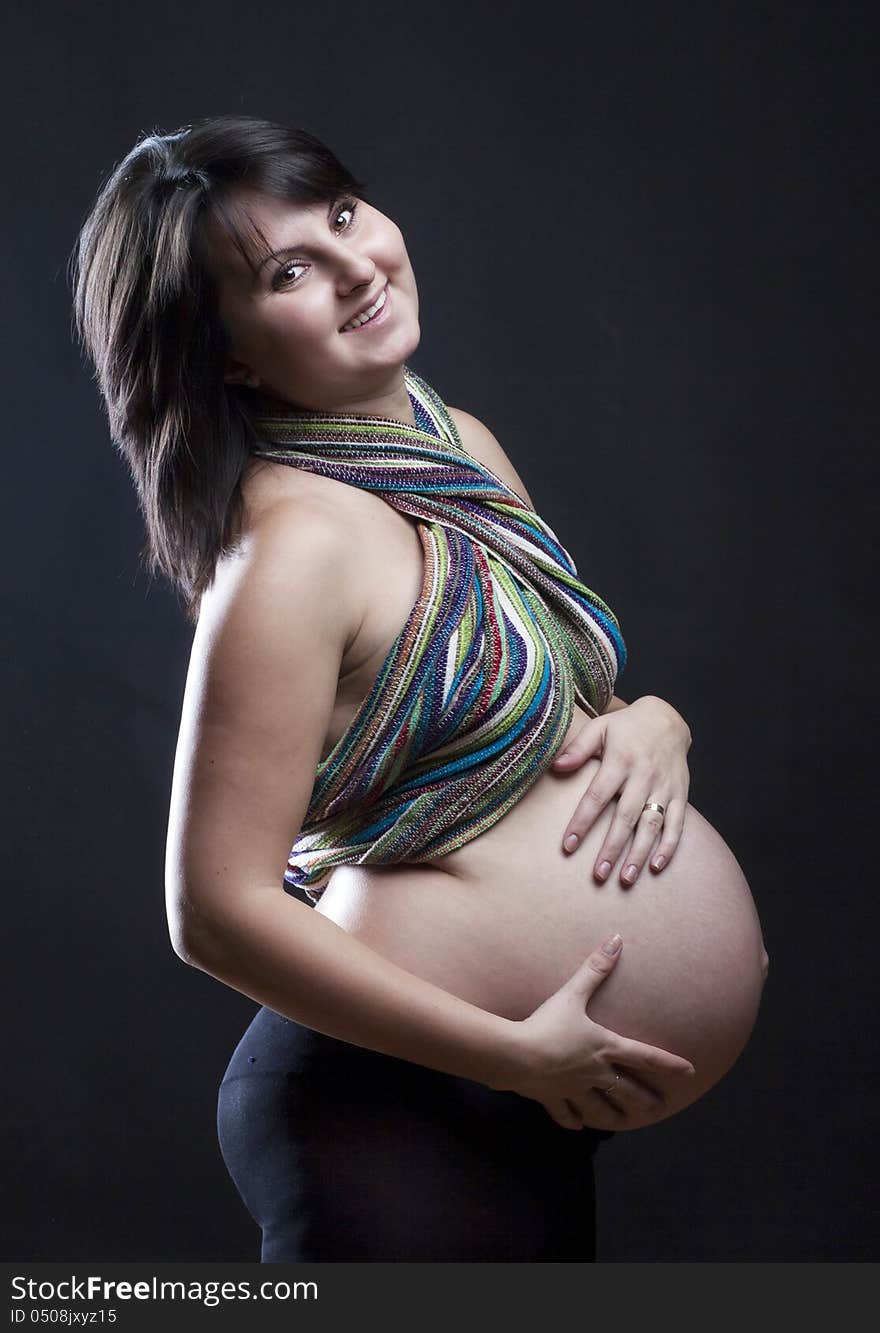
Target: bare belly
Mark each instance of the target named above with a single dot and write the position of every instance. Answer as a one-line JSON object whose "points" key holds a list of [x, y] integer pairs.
{"points": [[505, 920]]}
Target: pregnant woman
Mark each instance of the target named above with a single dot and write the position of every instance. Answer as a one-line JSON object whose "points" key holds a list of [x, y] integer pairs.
{"points": [[399, 707]]}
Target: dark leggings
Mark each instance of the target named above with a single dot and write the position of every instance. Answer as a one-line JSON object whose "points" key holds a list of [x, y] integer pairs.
{"points": [[344, 1154]]}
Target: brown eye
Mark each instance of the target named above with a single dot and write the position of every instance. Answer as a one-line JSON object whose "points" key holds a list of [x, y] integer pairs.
{"points": [[281, 280], [348, 206]]}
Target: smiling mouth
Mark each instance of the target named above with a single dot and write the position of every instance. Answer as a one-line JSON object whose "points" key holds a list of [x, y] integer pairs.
{"points": [[369, 315]]}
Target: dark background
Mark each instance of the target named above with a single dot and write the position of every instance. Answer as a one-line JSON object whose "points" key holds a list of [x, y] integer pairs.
{"points": [[646, 260]]}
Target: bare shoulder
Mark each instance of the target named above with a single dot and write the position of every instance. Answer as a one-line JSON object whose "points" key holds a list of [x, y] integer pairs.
{"points": [[482, 445], [296, 550], [267, 483], [258, 702]]}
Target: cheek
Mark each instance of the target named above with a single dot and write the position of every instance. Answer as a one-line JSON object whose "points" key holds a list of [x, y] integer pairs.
{"points": [[232, 321], [299, 343], [403, 263], [247, 327], [394, 248], [286, 326]]}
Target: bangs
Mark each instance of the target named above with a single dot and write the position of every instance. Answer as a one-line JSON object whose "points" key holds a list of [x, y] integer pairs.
{"points": [[234, 220], [229, 214]]}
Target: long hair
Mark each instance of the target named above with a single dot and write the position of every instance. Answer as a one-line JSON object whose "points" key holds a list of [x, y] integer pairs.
{"points": [[144, 310]]}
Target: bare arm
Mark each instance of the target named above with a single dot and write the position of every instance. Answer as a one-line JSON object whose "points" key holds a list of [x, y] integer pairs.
{"points": [[259, 697], [298, 962], [258, 701]]}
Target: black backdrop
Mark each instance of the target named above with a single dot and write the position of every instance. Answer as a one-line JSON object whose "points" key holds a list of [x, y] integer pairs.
{"points": [[641, 236]]}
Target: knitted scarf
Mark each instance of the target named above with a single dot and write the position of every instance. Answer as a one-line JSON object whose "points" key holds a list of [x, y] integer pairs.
{"points": [[476, 693]]}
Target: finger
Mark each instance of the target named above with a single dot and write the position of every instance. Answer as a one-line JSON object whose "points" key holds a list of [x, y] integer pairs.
{"points": [[576, 1120], [587, 742], [606, 1099], [606, 783], [619, 834], [634, 1093], [636, 1055], [673, 824], [564, 1113], [596, 967], [633, 1117], [648, 828]]}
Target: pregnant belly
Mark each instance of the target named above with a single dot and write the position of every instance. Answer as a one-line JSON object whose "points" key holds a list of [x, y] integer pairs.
{"points": [[504, 921]]}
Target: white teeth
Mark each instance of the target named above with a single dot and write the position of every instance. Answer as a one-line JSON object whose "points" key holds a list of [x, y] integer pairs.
{"points": [[368, 314]]}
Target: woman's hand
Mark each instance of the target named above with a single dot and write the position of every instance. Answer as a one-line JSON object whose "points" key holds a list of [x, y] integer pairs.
{"points": [[567, 1061], [643, 748]]}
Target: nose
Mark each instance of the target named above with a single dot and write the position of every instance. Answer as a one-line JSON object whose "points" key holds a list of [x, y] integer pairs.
{"points": [[765, 963], [355, 270]]}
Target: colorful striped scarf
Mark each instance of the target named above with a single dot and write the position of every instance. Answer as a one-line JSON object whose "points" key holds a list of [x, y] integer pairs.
{"points": [[476, 693]]}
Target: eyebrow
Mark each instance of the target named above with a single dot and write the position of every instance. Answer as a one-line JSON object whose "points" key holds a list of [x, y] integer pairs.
{"points": [[286, 249]]}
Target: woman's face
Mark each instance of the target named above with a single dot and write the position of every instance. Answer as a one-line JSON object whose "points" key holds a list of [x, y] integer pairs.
{"points": [[286, 324]]}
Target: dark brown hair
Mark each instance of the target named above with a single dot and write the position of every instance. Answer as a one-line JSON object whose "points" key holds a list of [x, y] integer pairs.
{"points": [[144, 311]]}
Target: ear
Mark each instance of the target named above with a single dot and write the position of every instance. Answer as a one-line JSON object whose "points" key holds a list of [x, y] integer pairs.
{"points": [[238, 373]]}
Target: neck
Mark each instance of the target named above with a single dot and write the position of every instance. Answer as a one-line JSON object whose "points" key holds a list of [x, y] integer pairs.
{"points": [[391, 400]]}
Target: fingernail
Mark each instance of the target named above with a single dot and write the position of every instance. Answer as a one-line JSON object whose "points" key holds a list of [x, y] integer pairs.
{"points": [[630, 872], [603, 870], [613, 944], [660, 863], [571, 842]]}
